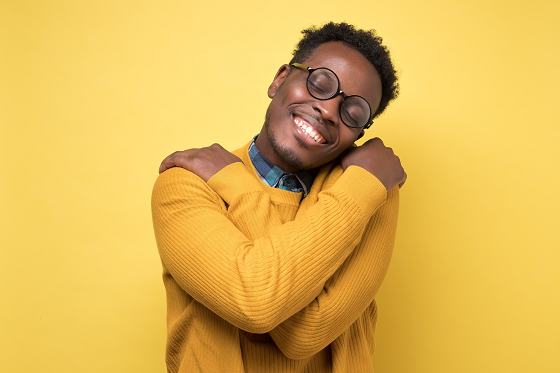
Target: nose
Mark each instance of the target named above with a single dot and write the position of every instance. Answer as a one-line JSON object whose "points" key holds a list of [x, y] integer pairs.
{"points": [[328, 109]]}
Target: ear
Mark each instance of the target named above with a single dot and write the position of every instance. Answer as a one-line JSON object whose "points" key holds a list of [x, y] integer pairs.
{"points": [[282, 73], [362, 133]]}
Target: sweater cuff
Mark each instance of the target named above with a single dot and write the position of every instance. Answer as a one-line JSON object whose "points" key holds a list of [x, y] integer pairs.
{"points": [[368, 192], [233, 181]]}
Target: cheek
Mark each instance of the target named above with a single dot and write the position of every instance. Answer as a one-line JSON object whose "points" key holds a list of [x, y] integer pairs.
{"points": [[348, 136], [281, 107], [291, 93]]}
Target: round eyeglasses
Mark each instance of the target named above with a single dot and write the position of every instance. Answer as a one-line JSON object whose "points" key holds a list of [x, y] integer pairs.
{"points": [[323, 84]]}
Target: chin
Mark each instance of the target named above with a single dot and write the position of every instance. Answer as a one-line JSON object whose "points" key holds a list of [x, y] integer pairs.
{"points": [[289, 151], [288, 155]]}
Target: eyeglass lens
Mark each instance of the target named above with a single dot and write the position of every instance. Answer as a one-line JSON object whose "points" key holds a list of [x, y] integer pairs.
{"points": [[324, 84]]}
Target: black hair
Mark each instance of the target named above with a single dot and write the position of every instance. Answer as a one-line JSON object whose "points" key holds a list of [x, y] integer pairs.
{"points": [[366, 42]]}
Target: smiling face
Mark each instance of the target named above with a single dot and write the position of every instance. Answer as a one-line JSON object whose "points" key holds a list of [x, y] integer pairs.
{"points": [[301, 132]]}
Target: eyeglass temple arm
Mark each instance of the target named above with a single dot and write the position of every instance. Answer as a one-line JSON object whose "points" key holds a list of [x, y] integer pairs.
{"points": [[299, 65]]}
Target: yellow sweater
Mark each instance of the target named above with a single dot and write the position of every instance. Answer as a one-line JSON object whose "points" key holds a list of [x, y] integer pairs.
{"points": [[258, 280]]}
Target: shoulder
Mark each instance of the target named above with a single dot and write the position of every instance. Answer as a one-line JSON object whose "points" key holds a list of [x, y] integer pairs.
{"points": [[177, 184], [177, 177]]}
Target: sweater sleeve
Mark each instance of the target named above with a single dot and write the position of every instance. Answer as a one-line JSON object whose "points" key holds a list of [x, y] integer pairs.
{"points": [[347, 294], [255, 283]]}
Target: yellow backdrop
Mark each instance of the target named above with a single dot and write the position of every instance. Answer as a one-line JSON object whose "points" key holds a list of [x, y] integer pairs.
{"points": [[93, 95]]}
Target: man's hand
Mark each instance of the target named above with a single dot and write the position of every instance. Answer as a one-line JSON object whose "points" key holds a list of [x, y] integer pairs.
{"points": [[377, 159], [204, 162]]}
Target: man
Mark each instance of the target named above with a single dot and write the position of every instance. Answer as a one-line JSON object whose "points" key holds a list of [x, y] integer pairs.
{"points": [[273, 254]]}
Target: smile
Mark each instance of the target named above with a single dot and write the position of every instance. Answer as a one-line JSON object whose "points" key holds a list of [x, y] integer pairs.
{"points": [[308, 129]]}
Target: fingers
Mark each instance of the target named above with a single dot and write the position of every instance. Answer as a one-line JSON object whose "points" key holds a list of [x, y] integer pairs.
{"points": [[374, 141], [178, 158], [166, 163], [404, 181], [216, 146], [213, 157]]}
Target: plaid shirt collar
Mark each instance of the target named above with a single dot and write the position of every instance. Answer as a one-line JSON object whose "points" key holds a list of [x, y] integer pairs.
{"points": [[275, 177]]}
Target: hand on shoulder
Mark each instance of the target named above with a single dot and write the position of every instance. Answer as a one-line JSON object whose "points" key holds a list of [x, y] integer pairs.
{"points": [[377, 159], [204, 162]]}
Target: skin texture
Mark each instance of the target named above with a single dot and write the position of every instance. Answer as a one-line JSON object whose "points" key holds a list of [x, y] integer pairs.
{"points": [[204, 162], [280, 140], [284, 143]]}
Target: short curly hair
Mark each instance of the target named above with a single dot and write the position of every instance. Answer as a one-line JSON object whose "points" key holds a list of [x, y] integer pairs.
{"points": [[366, 42]]}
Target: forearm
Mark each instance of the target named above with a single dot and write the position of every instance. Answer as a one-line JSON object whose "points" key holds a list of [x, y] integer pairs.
{"points": [[253, 283], [347, 293]]}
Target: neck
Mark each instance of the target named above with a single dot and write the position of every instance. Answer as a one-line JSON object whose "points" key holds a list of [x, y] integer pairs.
{"points": [[265, 146]]}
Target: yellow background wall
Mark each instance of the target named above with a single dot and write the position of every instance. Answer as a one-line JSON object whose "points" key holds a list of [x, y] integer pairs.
{"points": [[93, 95]]}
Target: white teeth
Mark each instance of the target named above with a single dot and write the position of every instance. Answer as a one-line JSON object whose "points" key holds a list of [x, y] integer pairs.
{"points": [[308, 130]]}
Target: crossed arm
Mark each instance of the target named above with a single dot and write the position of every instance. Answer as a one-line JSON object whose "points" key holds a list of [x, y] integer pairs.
{"points": [[305, 281], [346, 294], [253, 282]]}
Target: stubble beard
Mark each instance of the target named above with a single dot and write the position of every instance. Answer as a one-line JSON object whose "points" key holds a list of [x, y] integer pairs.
{"points": [[288, 155]]}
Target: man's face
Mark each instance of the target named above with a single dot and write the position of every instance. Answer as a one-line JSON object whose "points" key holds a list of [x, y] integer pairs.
{"points": [[283, 141]]}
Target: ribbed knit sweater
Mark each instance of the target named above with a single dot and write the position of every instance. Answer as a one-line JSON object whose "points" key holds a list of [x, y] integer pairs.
{"points": [[259, 280]]}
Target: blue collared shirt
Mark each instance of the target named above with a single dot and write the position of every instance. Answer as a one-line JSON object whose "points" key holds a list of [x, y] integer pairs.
{"points": [[276, 177]]}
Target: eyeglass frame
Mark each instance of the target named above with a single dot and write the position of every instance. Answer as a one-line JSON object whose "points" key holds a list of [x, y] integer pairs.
{"points": [[338, 92]]}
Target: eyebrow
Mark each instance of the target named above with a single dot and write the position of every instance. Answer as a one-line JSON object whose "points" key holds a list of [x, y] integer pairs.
{"points": [[330, 78]]}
